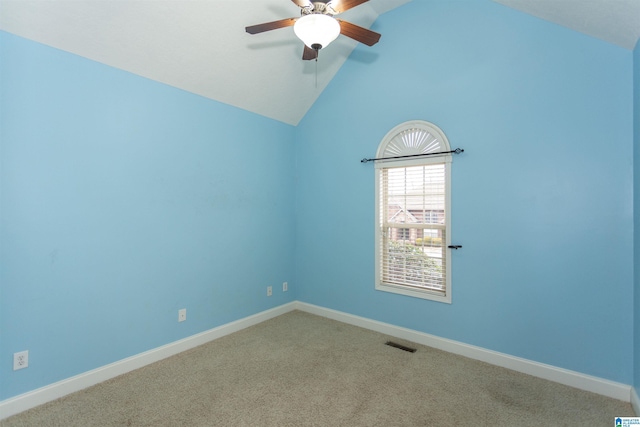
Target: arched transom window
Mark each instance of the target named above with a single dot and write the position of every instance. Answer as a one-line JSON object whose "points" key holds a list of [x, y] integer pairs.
{"points": [[413, 211]]}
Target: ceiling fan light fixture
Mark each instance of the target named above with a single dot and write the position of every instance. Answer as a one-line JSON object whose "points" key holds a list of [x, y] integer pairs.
{"points": [[317, 30]]}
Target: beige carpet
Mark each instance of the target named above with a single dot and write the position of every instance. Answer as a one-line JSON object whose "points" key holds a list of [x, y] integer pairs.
{"points": [[304, 370]]}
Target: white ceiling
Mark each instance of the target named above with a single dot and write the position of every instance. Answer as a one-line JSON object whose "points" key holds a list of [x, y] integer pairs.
{"points": [[196, 45], [201, 46], [614, 21]]}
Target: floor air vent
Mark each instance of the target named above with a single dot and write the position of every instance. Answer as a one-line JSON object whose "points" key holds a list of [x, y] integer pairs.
{"points": [[400, 346]]}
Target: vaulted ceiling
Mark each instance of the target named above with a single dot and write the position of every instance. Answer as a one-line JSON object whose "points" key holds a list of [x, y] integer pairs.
{"points": [[614, 21], [201, 46]]}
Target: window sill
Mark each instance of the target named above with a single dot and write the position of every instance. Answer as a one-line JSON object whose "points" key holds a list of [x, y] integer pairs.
{"points": [[415, 293]]}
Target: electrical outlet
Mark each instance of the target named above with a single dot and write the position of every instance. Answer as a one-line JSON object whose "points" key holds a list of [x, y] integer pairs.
{"points": [[269, 291], [20, 360], [285, 286], [182, 315]]}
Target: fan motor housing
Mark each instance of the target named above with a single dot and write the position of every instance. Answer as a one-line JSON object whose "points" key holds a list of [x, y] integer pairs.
{"points": [[320, 7]]}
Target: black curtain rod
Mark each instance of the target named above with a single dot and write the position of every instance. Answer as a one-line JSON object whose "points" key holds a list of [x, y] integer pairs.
{"points": [[456, 151]]}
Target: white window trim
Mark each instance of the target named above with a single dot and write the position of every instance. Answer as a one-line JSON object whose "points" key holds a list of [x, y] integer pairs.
{"points": [[381, 164]]}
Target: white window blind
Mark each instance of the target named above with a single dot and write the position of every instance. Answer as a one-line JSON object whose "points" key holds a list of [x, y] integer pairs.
{"points": [[413, 227]]}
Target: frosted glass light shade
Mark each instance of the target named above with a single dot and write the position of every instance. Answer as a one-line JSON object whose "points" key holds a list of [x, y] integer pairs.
{"points": [[317, 30]]}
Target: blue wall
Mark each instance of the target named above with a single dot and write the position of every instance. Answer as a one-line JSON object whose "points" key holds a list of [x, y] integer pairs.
{"points": [[542, 197], [636, 210], [122, 201]]}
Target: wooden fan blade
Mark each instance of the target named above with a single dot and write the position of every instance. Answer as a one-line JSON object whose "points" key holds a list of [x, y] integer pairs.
{"points": [[343, 5], [268, 26], [303, 3], [309, 53], [358, 33]]}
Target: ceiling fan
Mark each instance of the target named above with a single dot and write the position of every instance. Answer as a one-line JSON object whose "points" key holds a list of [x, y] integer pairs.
{"points": [[317, 27]]}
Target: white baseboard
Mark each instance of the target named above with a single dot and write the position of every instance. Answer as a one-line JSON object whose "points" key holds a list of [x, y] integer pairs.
{"points": [[62, 388], [635, 401], [59, 389], [563, 376]]}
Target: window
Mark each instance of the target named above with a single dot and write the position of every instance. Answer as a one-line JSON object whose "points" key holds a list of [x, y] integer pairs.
{"points": [[412, 213]]}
